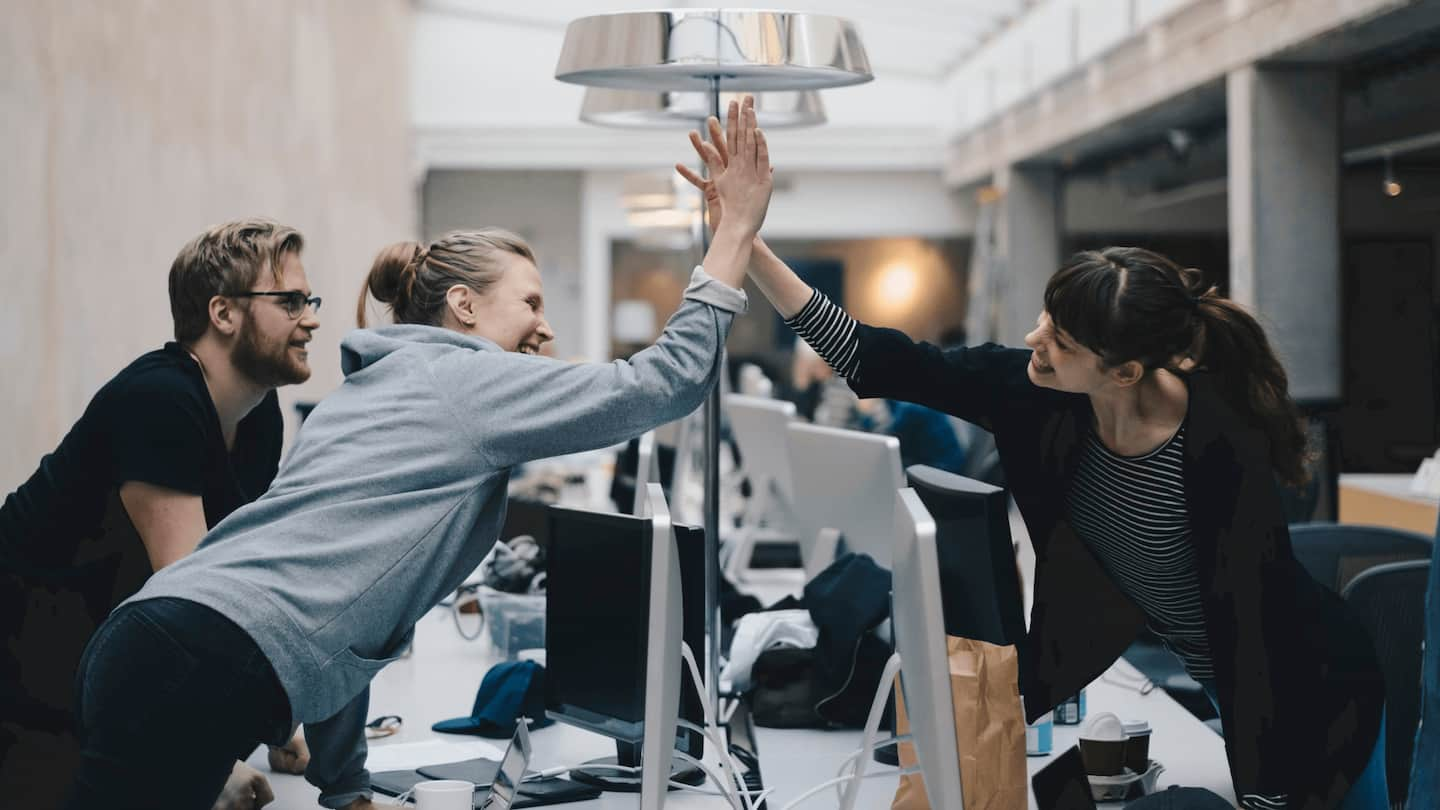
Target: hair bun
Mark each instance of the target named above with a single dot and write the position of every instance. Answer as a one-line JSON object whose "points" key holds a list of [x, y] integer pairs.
{"points": [[387, 279]]}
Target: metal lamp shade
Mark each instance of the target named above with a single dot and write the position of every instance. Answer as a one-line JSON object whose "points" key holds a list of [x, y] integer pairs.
{"points": [[634, 109], [686, 50]]}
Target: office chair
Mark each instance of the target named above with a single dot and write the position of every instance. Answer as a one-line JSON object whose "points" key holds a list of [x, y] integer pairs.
{"points": [[1390, 600], [1335, 553]]}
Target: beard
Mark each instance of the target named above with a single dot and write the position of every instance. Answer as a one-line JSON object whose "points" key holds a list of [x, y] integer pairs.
{"points": [[268, 365]]}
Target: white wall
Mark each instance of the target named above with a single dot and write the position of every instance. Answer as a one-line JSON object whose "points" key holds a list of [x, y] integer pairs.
{"points": [[541, 206], [130, 127]]}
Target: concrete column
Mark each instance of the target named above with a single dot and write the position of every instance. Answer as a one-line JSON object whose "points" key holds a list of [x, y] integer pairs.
{"points": [[1027, 241], [1284, 209]]}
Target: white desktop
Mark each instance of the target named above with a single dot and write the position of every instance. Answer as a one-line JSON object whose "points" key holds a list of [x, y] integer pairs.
{"points": [[844, 483], [919, 628], [759, 426]]}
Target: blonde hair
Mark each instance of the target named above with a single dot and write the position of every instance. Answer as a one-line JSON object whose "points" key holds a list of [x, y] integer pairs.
{"points": [[223, 260], [412, 279]]}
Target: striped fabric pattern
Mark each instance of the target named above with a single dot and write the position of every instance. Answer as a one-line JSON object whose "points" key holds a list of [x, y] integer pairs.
{"points": [[830, 332], [1132, 514]]}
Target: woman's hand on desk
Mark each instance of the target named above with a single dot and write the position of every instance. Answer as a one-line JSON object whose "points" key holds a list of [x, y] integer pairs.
{"points": [[246, 789], [292, 757]]}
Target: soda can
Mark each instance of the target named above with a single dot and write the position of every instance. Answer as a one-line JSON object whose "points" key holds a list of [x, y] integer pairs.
{"points": [[1040, 735], [1071, 712]]}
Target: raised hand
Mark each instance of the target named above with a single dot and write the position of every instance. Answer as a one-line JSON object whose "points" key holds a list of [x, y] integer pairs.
{"points": [[739, 165]]}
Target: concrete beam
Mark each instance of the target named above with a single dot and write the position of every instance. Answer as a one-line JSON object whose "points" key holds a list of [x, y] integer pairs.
{"points": [[1199, 45], [1284, 178]]}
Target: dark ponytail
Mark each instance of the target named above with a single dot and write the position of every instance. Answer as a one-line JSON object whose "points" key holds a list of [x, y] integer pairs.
{"points": [[1129, 304], [1233, 345]]}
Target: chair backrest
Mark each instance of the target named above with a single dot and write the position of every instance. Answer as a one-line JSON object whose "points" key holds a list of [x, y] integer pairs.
{"points": [[1390, 601], [1334, 553]]}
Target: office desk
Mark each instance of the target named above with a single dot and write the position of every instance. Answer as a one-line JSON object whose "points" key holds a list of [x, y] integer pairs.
{"points": [[439, 681], [1386, 500]]}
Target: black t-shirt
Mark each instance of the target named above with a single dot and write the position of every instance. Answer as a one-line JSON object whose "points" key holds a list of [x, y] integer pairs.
{"points": [[68, 551]]}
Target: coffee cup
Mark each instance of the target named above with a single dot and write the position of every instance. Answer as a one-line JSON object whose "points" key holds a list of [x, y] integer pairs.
{"points": [[1102, 745], [444, 794], [1137, 745]]}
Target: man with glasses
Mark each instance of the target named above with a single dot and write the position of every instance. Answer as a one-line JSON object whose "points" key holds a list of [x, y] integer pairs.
{"points": [[166, 449]]}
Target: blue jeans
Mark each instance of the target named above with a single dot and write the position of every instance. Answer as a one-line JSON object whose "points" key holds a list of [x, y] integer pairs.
{"points": [[169, 695], [1425, 772], [1372, 790]]}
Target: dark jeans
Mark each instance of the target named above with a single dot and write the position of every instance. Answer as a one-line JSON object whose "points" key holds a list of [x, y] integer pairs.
{"points": [[1425, 772], [169, 694], [1371, 790]]}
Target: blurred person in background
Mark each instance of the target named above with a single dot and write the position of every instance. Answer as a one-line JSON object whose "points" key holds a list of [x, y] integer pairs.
{"points": [[169, 447]]}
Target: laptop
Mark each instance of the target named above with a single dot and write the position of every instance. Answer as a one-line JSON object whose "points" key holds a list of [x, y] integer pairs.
{"points": [[1063, 785], [511, 771]]}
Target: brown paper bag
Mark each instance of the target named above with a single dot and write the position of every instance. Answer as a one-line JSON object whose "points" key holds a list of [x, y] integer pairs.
{"points": [[989, 730]]}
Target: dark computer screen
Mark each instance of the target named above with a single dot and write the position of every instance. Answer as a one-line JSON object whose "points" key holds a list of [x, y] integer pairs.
{"points": [[979, 584], [527, 516], [690, 544], [1062, 785], [597, 622]]}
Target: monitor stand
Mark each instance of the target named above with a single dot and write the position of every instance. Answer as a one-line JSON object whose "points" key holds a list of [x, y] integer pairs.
{"points": [[596, 775]]}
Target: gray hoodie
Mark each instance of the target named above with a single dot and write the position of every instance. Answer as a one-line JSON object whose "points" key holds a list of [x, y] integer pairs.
{"points": [[396, 489]]}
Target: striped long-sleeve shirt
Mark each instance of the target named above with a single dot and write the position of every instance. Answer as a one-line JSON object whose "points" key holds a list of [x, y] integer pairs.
{"points": [[1129, 510]]}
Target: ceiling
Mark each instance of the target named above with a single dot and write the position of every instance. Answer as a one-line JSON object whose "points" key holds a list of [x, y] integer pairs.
{"points": [[913, 38]]}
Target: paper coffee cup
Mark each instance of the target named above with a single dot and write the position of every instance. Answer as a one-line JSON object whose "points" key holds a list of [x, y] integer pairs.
{"points": [[1137, 745], [444, 794]]}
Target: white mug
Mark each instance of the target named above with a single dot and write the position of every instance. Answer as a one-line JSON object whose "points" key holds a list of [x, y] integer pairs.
{"points": [[444, 794]]}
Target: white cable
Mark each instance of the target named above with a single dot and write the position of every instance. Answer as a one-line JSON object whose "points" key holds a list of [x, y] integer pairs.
{"points": [[850, 758], [872, 725], [820, 787], [727, 760], [730, 797]]}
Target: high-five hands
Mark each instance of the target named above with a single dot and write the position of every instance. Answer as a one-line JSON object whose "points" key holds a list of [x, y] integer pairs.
{"points": [[740, 174]]}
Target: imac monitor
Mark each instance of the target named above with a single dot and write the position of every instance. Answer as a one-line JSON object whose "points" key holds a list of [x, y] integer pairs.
{"points": [[978, 579], [924, 655], [759, 426], [845, 482], [615, 619]]}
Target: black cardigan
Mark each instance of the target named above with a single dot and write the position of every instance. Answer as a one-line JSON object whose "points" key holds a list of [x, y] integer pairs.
{"points": [[1299, 687]]}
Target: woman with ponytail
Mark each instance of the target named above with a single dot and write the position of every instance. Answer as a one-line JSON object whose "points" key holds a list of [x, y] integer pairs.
{"points": [[390, 496], [1145, 433]]}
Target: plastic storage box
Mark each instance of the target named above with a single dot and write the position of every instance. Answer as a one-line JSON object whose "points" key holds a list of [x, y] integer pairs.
{"points": [[515, 621]]}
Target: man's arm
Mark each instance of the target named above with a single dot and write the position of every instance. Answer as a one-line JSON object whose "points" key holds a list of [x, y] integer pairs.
{"points": [[170, 522]]}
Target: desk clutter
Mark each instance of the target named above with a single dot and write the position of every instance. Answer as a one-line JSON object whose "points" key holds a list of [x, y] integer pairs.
{"points": [[609, 602]]}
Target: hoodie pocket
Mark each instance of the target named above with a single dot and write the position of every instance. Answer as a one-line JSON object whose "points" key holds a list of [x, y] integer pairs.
{"points": [[372, 666]]}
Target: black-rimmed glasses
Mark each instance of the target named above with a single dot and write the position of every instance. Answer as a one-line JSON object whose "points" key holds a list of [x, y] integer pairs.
{"points": [[293, 301]]}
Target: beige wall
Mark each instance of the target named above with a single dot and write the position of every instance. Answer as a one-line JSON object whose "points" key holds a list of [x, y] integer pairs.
{"points": [[128, 126]]}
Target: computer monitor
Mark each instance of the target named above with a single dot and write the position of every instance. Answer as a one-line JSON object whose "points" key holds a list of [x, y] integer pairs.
{"points": [[845, 484], [919, 628], [617, 610], [528, 517], [759, 426], [979, 583]]}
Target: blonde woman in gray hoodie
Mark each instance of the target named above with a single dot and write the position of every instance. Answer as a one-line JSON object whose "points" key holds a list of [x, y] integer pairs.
{"points": [[390, 497]]}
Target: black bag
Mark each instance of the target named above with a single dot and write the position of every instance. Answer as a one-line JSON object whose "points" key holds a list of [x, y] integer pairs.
{"points": [[833, 684]]}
